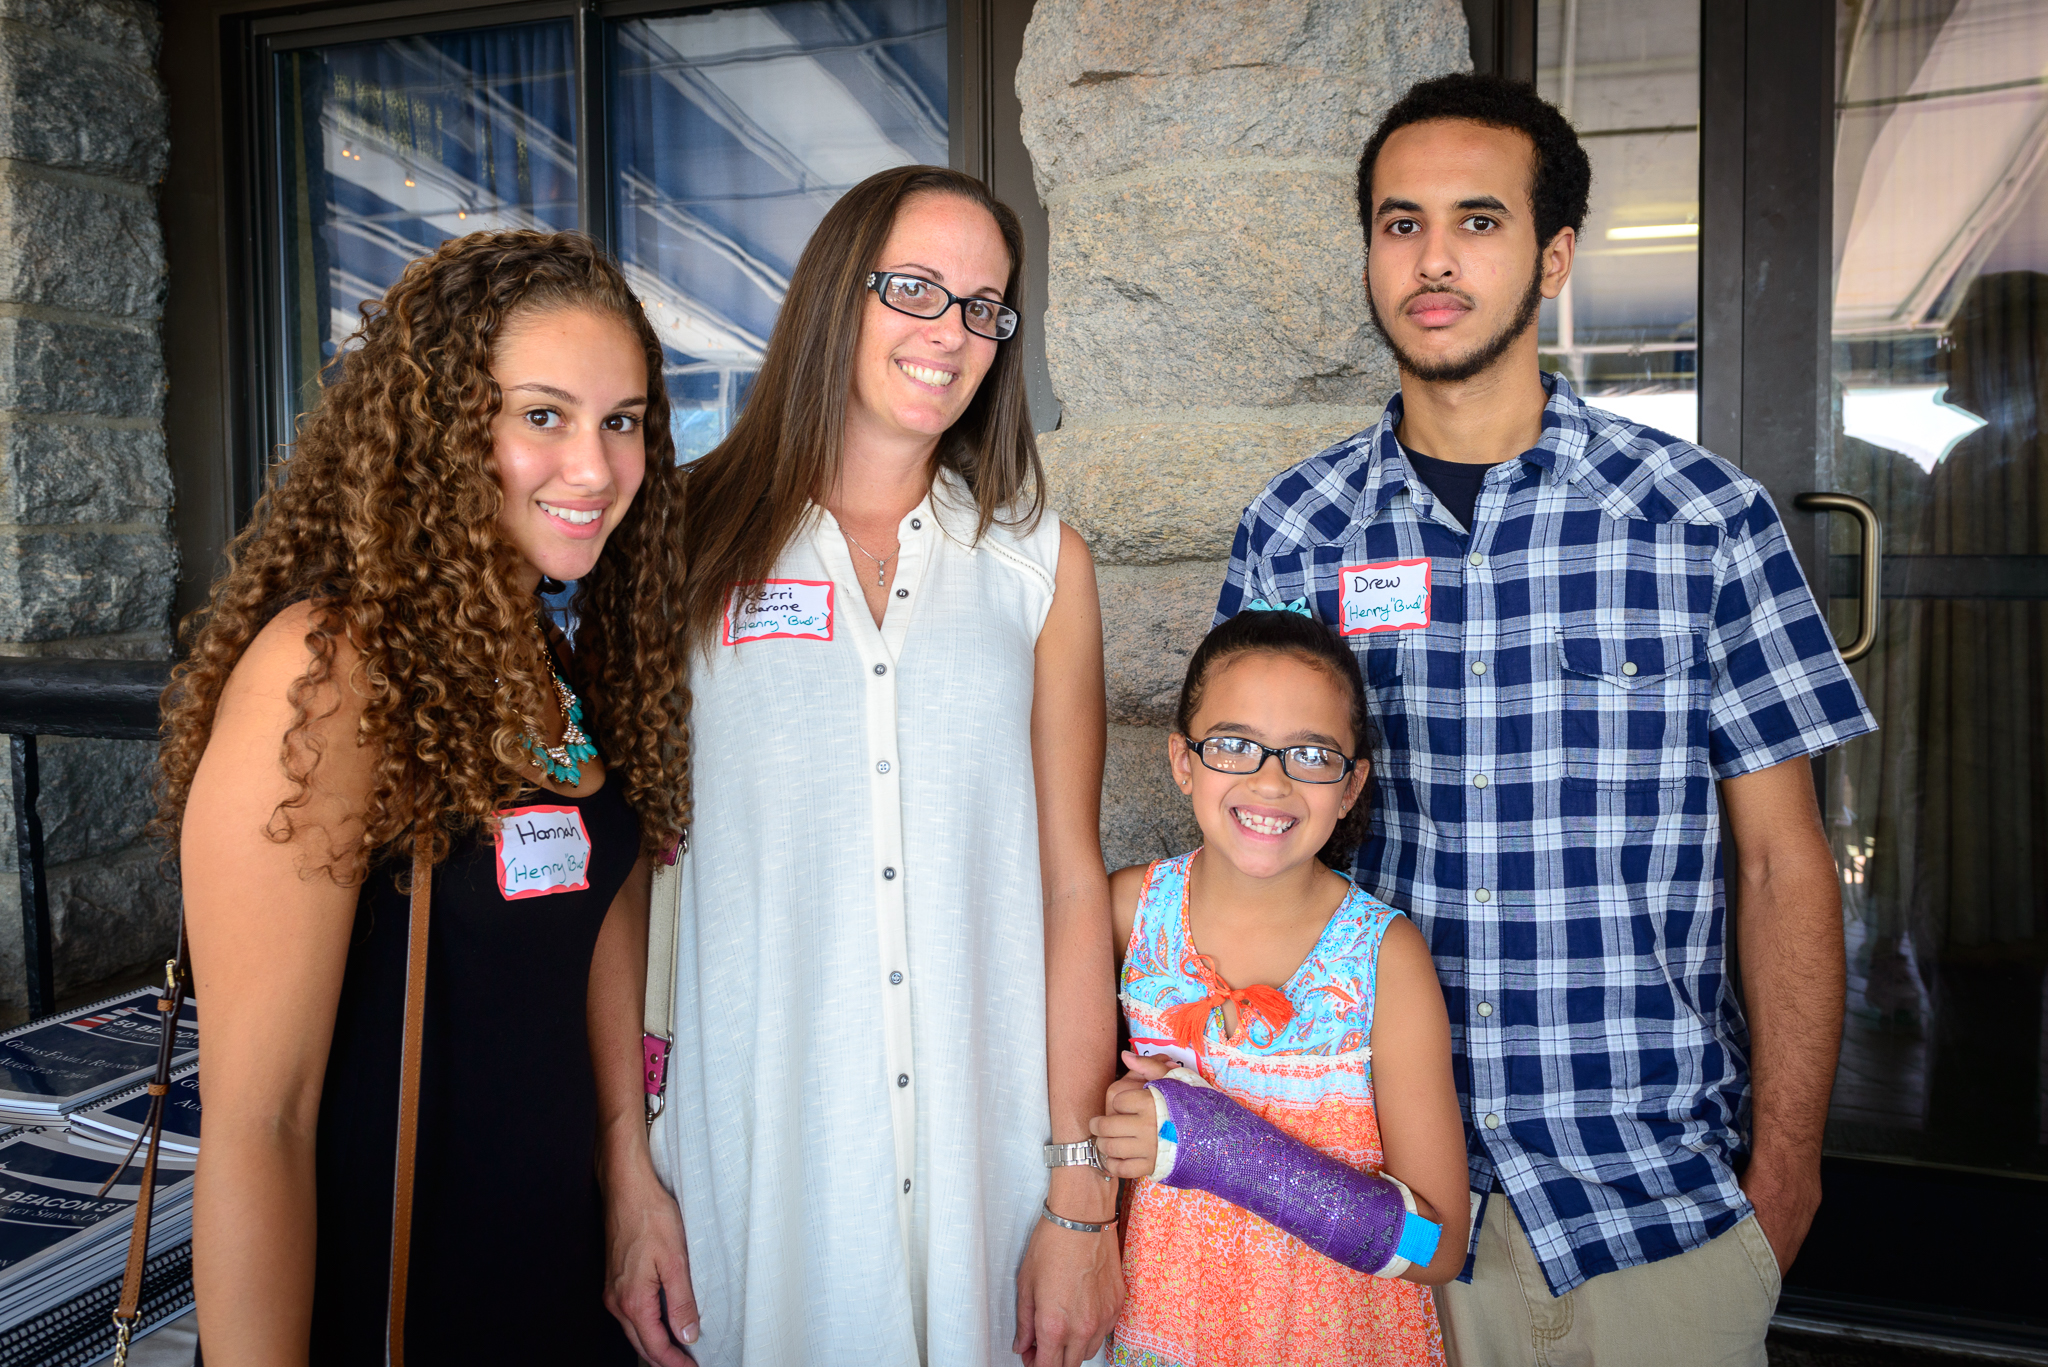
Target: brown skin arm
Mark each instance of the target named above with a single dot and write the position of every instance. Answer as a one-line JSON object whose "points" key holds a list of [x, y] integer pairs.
{"points": [[645, 1255], [1417, 1100], [269, 934], [1125, 885], [1070, 1286], [1788, 938]]}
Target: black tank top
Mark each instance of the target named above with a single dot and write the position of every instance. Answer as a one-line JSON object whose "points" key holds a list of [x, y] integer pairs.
{"points": [[507, 1227]]}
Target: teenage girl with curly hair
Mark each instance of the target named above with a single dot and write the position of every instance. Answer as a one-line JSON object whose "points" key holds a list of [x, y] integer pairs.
{"points": [[374, 675]]}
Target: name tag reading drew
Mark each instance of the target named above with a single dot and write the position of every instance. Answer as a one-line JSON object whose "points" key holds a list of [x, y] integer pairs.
{"points": [[542, 850], [1390, 596], [779, 610]]}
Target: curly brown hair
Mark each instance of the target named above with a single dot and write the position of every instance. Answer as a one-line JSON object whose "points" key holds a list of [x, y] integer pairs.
{"points": [[385, 521]]}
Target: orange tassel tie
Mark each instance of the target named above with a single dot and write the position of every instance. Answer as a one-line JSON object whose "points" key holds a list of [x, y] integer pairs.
{"points": [[1189, 1020]]}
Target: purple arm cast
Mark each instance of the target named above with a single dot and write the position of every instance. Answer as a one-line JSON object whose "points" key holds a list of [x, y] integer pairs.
{"points": [[1363, 1220]]}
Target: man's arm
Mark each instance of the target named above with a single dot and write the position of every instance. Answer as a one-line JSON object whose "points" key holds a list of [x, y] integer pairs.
{"points": [[1788, 939]]}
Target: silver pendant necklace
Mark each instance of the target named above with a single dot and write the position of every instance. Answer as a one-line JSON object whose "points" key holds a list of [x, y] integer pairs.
{"points": [[881, 565]]}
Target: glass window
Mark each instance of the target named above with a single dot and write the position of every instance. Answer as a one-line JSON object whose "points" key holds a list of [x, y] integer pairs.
{"points": [[386, 149], [1941, 375], [734, 131], [1625, 329], [731, 132]]}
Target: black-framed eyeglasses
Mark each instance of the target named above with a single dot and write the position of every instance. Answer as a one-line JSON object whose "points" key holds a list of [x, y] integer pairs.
{"points": [[1302, 763], [921, 298]]}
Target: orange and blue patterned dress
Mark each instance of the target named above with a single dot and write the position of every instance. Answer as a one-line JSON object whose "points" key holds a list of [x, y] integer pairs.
{"points": [[1207, 1283]]}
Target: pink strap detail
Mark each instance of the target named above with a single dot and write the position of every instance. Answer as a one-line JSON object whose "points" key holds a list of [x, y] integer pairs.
{"points": [[654, 1053]]}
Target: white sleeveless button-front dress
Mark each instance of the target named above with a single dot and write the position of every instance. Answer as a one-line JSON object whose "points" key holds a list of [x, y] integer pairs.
{"points": [[857, 1092]]}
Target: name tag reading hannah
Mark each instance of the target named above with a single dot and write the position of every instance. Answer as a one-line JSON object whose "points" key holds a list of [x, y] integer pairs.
{"points": [[779, 610], [542, 850], [1390, 596]]}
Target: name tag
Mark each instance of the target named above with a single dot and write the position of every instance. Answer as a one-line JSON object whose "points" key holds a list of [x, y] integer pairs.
{"points": [[779, 610], [542, 850], [1391, 596], [1146, 1047]]}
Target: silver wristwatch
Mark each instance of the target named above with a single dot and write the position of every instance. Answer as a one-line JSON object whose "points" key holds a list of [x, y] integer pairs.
{"points": [[1077, 1155]]}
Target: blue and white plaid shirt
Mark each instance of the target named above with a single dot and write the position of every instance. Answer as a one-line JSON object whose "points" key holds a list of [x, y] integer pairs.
{"points": [[1624, 625]]}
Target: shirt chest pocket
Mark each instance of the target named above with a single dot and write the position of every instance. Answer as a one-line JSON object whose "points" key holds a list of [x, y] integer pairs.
{"points": [[1634, 705]]}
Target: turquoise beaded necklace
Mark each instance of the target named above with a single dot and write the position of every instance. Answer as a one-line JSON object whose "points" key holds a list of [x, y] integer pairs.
{"points": [[562, 763]]}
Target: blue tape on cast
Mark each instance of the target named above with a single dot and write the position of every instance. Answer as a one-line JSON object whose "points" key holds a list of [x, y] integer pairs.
{"points": [[1418, 1240], [1168, 1133]]}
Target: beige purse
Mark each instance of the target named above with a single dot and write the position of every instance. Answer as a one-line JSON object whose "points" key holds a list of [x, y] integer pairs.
{"points": [[658, 1031]]}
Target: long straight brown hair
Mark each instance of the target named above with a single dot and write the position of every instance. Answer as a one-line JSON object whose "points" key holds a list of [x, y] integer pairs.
{"points": [[746, 499]]}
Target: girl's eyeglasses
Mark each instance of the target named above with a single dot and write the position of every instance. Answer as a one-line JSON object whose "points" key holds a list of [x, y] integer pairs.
{"points": [[1302, 763], [920, 298]]}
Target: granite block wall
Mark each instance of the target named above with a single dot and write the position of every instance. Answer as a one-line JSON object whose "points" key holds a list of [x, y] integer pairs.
{"points": [[86, 558], [1207, 325]]}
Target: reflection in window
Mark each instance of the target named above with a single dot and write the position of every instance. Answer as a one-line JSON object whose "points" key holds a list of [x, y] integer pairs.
{"points": [[386, 149], [1940, 825], [1626, 73], [734, 131]]}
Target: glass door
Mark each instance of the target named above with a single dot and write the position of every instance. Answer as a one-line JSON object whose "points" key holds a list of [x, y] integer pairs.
{"points": [[1940, 823], [1625, 329], [1931, 431]]}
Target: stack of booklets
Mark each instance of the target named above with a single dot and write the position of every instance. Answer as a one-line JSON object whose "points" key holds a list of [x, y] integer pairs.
{"points": [[114, 1124], [63, 1246], [64, 1063]]}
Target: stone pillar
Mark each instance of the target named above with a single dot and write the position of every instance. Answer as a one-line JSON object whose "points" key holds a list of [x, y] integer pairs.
{"points": [[86, 559], [1207, 325]]}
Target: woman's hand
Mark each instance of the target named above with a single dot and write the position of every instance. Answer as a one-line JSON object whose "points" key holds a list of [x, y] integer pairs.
{"points": [[1127, 1136], [647, 1270], [1071, 1285]]}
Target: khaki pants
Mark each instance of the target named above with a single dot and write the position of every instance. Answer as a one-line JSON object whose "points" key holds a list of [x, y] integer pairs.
{"points": [[1706, 1308]]}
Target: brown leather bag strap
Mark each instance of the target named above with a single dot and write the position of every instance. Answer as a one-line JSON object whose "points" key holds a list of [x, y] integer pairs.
{"points": [[409, 1098], [177, 973]]}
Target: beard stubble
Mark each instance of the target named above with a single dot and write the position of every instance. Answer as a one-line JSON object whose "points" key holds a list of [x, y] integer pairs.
{"points": [[1454, 369]]}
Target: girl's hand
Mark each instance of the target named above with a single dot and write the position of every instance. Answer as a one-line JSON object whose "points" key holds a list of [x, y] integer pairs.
{"points": [[1143, 1069], [647, 1272], [1128, 1137]]}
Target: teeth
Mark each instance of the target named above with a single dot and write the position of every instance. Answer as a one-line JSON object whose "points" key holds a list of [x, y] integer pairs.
{"points": [[572, 516], [941, 378], [1264, 825]]}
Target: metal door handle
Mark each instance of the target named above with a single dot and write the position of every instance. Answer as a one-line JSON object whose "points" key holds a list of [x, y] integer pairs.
{"points": [[1868, 600]]}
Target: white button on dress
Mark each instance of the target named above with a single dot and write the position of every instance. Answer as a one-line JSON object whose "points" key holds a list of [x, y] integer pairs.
{"points": [[857, 1094]]}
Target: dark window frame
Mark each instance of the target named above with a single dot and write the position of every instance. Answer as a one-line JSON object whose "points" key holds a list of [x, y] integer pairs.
{"points": [[229, 401]]}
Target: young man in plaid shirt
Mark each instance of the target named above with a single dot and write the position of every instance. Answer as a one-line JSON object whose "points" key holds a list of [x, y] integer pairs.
{"points": [[1587, 641]]}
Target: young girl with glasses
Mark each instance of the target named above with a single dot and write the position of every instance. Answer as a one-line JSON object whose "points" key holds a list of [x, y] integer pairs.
{"points": [[1289, 1113]]}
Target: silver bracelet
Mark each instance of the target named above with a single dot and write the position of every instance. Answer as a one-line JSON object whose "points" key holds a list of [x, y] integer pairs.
{"points": [[1078, 1226]]}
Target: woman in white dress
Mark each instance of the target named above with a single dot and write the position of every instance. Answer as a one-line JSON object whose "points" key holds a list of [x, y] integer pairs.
{"points": [[893, 974]]}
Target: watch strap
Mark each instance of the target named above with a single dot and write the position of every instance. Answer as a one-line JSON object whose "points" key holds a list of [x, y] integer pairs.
{"points": [[1077, 1155]]}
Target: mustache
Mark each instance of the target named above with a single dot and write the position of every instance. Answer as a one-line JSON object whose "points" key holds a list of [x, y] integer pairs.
{"points": [[1454, 292]]}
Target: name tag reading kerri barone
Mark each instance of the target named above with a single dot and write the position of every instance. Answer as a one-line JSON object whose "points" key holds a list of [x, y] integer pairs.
{"points": [[779, 610], [1390, 596], [542, 850]]}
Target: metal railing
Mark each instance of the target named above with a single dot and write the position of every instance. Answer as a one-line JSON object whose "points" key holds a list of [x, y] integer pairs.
{"points": [[101, 699]]}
